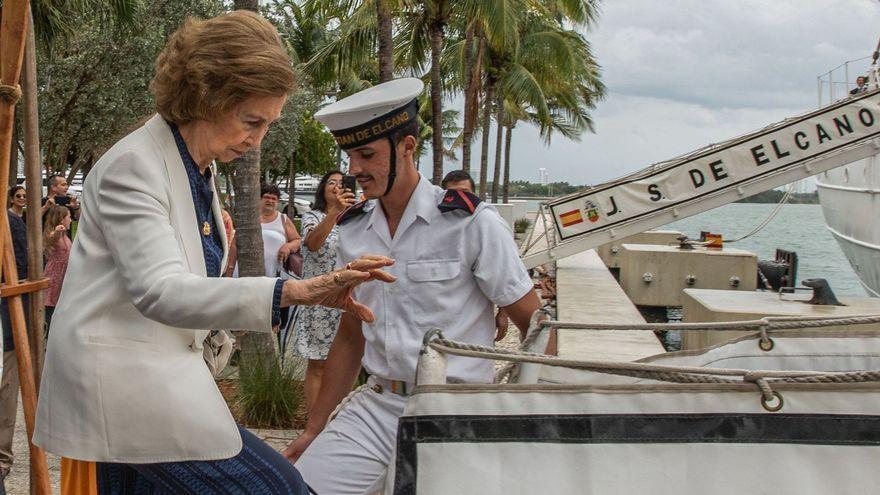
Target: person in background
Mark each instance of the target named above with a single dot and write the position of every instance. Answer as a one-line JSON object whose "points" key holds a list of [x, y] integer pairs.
{"points": [[861, 86], [280, 237], [316, 326], [9, 383], [57, 246], [462, 181], [58, 186], [459, 179], [127, 398]]}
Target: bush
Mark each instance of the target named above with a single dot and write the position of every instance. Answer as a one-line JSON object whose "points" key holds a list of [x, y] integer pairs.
{"points": [[268, 394], [521, 225]]}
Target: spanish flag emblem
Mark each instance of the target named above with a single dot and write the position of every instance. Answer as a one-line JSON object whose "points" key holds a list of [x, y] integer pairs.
{"points": [[570, 218]]}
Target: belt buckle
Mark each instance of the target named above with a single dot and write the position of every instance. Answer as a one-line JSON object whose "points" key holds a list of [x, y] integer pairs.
{"points": [[399, 388]]}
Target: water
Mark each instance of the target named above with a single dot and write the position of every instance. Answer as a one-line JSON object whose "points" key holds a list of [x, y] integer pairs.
{"points": [[798, 228]]}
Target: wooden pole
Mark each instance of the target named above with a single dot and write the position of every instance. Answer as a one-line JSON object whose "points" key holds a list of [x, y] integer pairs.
{"points": [[12, 41], [33, 173]]}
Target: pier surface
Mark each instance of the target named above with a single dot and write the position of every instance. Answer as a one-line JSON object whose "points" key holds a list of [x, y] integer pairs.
{"points": [[586, 292]]}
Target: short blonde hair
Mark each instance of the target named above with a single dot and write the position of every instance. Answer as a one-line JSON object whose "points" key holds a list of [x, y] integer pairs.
{"points": [[208, 67]]}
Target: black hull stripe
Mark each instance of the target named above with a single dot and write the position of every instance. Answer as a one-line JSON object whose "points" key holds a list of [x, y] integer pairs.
{"points": [[812, 429]]}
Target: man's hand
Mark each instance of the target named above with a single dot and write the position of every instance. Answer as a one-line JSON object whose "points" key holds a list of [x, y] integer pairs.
{"points": [[298, 446], [501, 324]]}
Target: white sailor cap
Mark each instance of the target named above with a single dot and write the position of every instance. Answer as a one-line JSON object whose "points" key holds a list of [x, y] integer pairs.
{"points": [[372, 113]]}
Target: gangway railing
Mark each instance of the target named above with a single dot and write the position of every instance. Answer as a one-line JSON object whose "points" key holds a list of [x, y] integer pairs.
{"points": [[799, 147]]}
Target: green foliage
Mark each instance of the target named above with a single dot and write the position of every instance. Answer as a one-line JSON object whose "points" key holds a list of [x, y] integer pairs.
{"points": [[93, 87], [775, 196], [525, 188], [522, 225], [268, 394]]}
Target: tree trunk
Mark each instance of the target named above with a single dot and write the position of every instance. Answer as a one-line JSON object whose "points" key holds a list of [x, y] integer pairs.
{"points": [[249, 233], [437, 97], [506, 189], [496, 174], [386, 42], [487, 118], [470, 73], [33, 176]]}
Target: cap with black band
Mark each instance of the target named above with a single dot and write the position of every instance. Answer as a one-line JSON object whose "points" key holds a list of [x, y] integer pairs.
{"points": [[373, 114]]}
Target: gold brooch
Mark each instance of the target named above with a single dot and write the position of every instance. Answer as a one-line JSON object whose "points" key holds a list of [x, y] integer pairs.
{"points": [[206, 228]]}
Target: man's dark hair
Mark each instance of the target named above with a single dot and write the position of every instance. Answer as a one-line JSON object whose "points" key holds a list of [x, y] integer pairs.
{"points": [[270, 189], [458, 176], [53, 179], [320, 203], [411, 128]]}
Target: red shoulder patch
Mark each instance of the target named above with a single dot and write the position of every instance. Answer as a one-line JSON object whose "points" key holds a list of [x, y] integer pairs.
{"points": [[456, 199]]}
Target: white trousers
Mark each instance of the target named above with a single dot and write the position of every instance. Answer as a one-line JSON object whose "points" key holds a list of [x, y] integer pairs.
{"points": [[351, 455]]}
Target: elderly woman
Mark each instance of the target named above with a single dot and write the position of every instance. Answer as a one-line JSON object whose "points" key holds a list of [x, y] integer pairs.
{"points": [[125, 385]]}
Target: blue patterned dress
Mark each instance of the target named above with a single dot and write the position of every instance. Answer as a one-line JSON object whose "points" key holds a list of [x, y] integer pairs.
{"points": [[316, 326]]}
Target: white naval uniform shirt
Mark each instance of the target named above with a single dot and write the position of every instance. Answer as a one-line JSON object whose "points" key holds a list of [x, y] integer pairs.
{"points": [[450, 268]]}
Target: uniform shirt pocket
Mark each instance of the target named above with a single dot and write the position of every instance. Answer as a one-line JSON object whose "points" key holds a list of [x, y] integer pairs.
{"points": [[433, 270]]}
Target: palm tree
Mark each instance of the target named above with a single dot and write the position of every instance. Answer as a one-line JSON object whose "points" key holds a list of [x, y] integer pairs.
{"points": [[386, 40], [246, 216], [499, 117], [552, 80]]}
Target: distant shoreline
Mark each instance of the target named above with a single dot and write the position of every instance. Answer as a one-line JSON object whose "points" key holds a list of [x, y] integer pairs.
{"points": [[775, 196]]}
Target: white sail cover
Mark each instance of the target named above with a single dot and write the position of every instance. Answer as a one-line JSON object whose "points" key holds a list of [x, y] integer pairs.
{"points": [[670, 439], [632, 436]]}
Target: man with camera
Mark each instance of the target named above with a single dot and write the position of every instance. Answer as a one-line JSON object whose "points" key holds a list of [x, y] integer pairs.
{"points": [[57, 195]]}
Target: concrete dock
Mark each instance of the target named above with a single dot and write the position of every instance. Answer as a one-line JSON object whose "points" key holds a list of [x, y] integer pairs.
{"points": [[586, 292]]}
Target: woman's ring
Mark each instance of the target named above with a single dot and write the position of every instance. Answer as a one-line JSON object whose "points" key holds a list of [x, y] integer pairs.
{"points": [[338, 280], [348, 266]]}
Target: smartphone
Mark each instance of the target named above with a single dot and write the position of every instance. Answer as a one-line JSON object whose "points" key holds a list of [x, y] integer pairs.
{"points": [[349, 182]]}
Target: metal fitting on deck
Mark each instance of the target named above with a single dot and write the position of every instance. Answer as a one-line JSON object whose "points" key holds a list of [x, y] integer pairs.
{"points": [[647, 277], [690, 279], [734, 281]]}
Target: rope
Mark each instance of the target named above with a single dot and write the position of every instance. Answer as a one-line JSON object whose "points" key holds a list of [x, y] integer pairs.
{"points": [[770, 217], [532, 333], [10, 94], [770, 323], [674, 374], [344, 401]]}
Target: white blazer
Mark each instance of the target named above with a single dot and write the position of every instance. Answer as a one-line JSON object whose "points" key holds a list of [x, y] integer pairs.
{"points": [[124, 379]]}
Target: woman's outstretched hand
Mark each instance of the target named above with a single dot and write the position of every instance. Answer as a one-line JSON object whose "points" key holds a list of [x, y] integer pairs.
{"points": [[334, 290]]}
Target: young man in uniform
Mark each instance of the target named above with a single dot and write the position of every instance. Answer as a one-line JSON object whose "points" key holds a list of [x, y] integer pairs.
{"points": [[455, 259]]}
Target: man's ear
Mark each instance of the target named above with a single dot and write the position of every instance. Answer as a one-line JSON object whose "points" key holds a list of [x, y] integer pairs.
{"points": [[409, 145]]}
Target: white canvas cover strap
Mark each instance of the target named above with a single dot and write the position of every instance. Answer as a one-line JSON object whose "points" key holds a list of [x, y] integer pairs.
{"points": [[659, 439]]}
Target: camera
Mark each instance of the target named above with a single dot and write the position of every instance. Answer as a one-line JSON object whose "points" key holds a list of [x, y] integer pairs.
{"points": [[349, 182]]}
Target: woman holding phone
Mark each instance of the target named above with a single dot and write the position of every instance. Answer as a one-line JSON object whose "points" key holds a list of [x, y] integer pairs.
{"points": [[316, 325]]}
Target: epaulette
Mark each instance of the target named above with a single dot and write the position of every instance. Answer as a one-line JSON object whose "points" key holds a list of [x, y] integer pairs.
{"points": [[352, 211], [456, 199]]}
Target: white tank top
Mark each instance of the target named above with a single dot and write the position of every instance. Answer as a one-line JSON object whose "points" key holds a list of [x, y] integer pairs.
{"points": [[273, 238]]}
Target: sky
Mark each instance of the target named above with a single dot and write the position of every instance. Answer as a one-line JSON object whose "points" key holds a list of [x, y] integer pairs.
{"points": [[681, 74]]}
